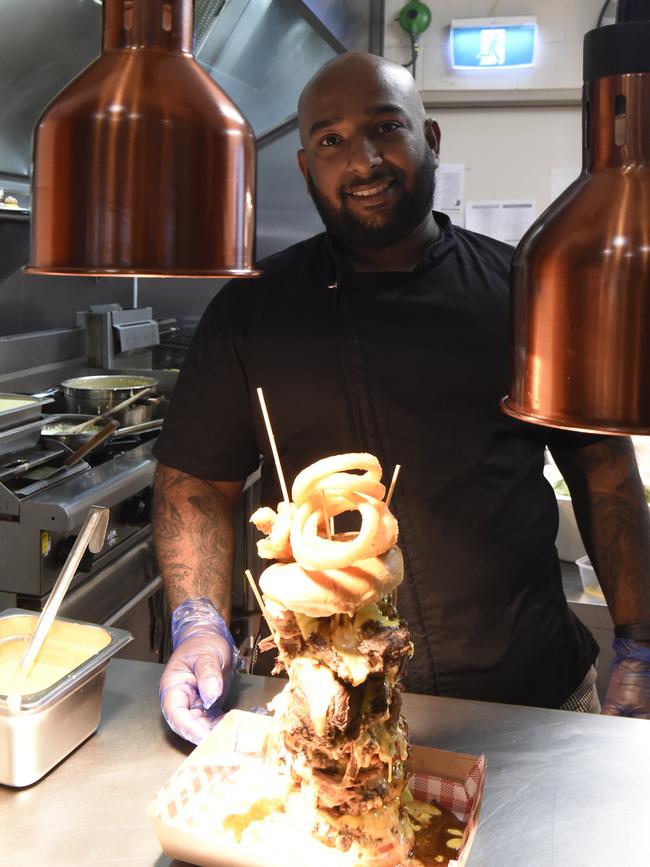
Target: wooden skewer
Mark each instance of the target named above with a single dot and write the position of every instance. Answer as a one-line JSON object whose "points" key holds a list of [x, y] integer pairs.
{"points": [[328, 520], [392, 483], [258, 596], [274, 448]]}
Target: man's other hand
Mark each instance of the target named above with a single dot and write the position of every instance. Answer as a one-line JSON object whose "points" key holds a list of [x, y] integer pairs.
{"points": [[628, 692]]}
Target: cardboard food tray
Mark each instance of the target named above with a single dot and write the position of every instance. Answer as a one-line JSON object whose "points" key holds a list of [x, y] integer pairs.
{"points": [[180, 812]]}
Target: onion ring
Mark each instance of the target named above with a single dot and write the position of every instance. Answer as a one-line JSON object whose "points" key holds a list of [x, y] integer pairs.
{"points": [[334, 472], [276, 527], [377, 534]]}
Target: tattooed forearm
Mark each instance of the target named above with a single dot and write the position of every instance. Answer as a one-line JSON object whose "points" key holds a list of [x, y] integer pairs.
{"points": [[610, 506], [194, 536]]}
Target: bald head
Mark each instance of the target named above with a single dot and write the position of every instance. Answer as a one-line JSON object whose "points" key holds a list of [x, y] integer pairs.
{"points": [[355, 73], [368, 152]]}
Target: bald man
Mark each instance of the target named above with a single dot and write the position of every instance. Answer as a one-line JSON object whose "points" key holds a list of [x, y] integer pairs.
{"points": [[388, 333]]}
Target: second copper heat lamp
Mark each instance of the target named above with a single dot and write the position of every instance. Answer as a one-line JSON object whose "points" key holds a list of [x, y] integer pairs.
{"points": [[581, 274], [142, 164]]}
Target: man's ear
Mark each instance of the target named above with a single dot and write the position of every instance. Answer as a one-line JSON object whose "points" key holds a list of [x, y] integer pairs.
{"points": [[302, 163], [432, 135]]}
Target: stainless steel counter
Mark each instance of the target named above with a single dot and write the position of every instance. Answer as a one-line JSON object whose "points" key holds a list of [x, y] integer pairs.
{"points": [[562, 788]]}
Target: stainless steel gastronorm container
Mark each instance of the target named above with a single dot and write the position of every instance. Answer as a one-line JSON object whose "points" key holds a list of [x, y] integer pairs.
{"points": [[51, 723], [27, 409]]}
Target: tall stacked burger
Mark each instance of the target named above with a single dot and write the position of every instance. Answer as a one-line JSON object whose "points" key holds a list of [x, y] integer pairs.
{"points": [[330, 602]]}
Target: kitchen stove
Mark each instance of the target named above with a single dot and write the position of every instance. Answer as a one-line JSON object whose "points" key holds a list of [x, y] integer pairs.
{"points": [[41, 517]]}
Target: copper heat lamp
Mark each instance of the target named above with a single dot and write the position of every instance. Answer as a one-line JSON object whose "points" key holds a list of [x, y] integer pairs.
{"points": [[581, 274], [142, 165]]}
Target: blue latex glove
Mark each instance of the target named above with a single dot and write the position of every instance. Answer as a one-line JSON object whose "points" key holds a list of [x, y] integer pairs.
{"points": [[196, 680], [628, 691]]}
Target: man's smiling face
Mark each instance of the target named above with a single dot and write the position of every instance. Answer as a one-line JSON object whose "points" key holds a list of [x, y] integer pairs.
{"points": [[369, 155]]}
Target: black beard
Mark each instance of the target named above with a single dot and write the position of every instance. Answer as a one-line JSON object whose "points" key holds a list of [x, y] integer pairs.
{"points": [[408, 212]]}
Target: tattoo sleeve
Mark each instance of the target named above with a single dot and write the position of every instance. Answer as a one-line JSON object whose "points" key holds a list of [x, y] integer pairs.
{"points": [[611, 511], [194, 536]]}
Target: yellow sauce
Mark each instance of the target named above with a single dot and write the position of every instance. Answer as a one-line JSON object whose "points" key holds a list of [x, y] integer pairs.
{"points": [[238, 822], [13, 403], [66, 646]]}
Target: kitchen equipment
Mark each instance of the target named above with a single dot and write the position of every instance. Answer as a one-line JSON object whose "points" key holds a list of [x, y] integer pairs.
{"points": [[144, 427], [144, 94], [16, 409], [22, 437], [87, 424], [60, 430], [60, 427], [54, 720], [40, 519], [581, 274], [90, 536], [588, 578], [12, 469], [97, 394], [112, 334], [84, 449]]}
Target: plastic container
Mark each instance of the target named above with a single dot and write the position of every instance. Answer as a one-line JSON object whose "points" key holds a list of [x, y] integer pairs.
{"points": [[50, 723], [588, 577], [568, 542]]}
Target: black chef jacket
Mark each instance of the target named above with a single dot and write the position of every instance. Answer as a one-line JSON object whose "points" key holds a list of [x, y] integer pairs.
{"points": [[409, 366]]}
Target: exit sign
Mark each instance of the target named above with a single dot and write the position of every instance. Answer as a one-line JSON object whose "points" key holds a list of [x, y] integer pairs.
{"points": [[493, 43]]}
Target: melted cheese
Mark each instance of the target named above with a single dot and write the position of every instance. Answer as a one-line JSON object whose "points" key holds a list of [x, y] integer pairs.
{"points": [[306, 625], [345, 641], [66, 646], [376, 823], [372, 612], [318, 684]]}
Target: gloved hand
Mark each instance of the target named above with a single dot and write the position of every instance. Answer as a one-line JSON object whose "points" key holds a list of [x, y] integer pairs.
{"points": [[196, 680], [628, 691]]}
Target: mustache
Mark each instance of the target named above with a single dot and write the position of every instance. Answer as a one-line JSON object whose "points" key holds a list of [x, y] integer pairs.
{"points": [[374, 178]]}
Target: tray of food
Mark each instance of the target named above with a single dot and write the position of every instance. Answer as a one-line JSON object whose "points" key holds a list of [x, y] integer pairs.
{"points": [[228, 805], [331, 778]]}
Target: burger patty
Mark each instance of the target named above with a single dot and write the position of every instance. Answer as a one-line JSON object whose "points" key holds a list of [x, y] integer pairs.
{"points": [[384, 648], [351, 710]]}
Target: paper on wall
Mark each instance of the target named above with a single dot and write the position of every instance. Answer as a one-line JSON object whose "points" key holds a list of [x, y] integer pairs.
{"points": [[504, 220], [449, 192]]}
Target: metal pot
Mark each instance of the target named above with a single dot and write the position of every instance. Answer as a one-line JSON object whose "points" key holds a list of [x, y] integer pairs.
{"points": [[56, 430], [96, 394]]}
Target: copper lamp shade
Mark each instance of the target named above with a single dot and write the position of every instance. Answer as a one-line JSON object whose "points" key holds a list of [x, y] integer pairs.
{"points": [[581, 274], [142, 165]]}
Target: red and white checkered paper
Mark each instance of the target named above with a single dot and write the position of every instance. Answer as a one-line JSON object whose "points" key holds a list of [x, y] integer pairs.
{"points": [[459, 797], [176, 802]]}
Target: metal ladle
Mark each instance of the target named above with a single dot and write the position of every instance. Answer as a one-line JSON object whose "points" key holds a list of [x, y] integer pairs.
{"points": [[91, 535]]}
